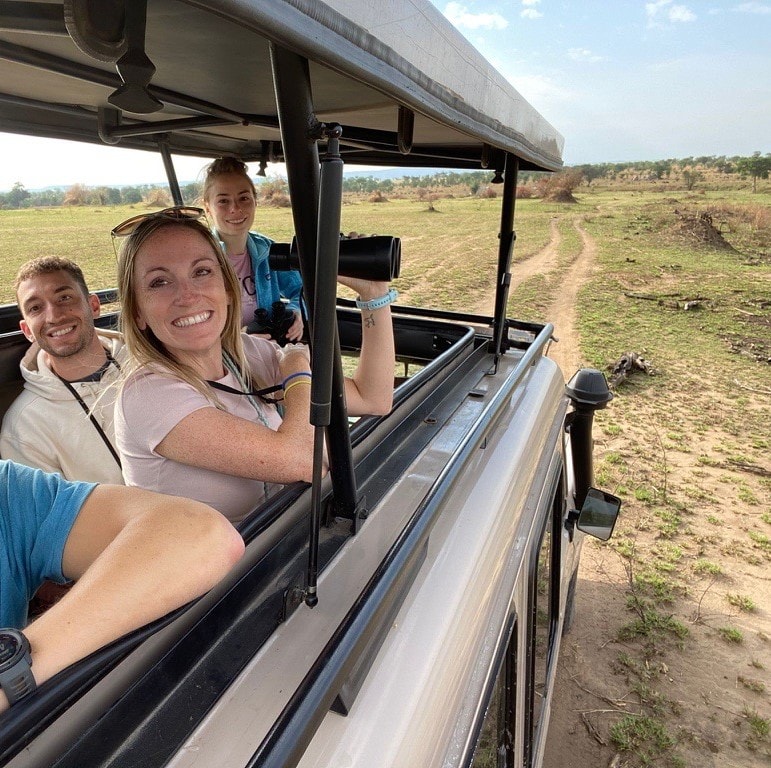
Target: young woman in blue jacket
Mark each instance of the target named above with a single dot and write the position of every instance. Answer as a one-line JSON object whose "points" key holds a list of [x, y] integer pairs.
{"points": [[229, 198]]}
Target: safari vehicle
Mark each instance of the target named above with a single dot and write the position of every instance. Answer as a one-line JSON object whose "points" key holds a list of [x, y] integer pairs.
{"points": [[381, 614]]}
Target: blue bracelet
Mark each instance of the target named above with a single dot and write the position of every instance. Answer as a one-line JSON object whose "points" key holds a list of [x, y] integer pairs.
{"points": [[381, 301], [294, 376]]}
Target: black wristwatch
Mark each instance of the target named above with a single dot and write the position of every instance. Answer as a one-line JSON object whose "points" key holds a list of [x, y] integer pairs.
{"points": [[16, 677]]}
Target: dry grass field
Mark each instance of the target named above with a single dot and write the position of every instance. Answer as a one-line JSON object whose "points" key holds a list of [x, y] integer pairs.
{"points": [[669, 660]]}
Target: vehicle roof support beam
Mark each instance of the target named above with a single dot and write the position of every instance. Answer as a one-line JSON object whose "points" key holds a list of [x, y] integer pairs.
{"points": [[506, 240], [171, 174], [299, 136]]}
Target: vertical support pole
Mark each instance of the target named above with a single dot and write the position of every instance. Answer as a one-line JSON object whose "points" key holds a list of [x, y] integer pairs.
{"points": [[325, 315], [505, 248], [171, 174], [299, 132]]}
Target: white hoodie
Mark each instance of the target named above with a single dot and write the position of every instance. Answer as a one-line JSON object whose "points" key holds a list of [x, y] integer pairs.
{"points": [[46, 426]]}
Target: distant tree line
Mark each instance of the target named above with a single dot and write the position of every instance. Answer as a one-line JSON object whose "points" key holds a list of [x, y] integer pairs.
{"points": [[756, 166], [274, 190], [80, 194]]}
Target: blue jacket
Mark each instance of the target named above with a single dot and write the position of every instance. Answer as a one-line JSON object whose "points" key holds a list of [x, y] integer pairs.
{"points": [[270, 286]]}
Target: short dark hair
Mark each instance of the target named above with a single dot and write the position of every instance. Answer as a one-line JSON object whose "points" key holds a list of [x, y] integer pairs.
{"points": [[45, 265]]}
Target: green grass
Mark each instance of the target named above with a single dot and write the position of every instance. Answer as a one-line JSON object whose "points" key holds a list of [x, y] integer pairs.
{"points": [[756, 686], [707, 567], [447, 257], [651, 624], [742, 602], [731, 634], [649, 261], [760, 727], [647, 738]]}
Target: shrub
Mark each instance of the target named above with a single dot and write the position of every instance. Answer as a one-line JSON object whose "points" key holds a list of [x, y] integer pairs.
{"points": [[157, 197]]}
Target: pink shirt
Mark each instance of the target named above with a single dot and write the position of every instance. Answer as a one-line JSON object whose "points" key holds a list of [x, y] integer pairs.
{"points": [[243, 267], [151, 404]]}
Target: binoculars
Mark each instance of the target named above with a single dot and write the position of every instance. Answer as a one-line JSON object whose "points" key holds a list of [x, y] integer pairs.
{"points": [[371, 258], [275, 322]]}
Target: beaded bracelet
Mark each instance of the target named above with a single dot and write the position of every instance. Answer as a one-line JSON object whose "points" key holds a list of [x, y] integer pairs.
{"points": [[294, 376], [295, 383], [379, 302]]}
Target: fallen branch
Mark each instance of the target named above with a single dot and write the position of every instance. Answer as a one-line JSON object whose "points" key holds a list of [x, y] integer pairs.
{"points": [[747, 467], [669, 300], [761, 390], [593, 732], [619, 704], [626, 364], [650, 296]]}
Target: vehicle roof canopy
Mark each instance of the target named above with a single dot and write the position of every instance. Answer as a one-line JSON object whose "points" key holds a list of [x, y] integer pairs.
{"points": [[407, 88]]}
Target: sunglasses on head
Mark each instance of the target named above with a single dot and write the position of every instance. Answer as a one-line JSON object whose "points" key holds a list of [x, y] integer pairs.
{"points": [[176, 213]]}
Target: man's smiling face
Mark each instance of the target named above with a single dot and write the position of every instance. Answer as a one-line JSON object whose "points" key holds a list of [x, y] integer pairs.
{"points": [[57, 314]]}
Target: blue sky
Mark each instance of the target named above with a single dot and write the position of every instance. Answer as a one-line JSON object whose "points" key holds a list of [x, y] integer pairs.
{"points": [[622, 80]]}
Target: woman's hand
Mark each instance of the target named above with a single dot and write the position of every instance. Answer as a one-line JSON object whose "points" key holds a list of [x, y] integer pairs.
{"points": [[295, 330], [293, 358], [366, 289]]}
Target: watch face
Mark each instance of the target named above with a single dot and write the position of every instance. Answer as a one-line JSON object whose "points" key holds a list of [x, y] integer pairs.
{"points": [[9, 646]]}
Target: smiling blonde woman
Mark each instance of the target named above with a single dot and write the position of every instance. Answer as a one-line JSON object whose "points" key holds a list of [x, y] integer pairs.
{"points": [[198, 415]]}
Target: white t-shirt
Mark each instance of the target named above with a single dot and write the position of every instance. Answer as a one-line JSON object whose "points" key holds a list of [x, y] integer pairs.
{"points": [[151, 404]]}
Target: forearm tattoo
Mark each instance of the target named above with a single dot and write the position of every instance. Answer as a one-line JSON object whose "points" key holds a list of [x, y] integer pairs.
{"points": [[369, 321]]}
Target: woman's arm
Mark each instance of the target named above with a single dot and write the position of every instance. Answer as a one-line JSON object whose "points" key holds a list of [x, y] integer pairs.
{"points": [[371, 388], [219, 441]]}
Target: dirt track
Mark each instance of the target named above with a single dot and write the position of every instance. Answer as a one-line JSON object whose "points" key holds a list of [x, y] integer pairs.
{"points": [[562, 311], [708, 689], [568, 746]]}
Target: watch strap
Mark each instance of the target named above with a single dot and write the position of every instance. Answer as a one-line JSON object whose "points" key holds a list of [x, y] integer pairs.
{"points": [[380, 302], [17, 681]]}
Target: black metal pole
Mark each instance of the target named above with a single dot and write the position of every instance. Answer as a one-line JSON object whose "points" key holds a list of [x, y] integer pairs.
{"points": [[505, 248], [299, 132], [171, 174], [325, 316]]}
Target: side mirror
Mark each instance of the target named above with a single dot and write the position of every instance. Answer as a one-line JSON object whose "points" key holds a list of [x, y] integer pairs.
{"points": [[599, 514]]}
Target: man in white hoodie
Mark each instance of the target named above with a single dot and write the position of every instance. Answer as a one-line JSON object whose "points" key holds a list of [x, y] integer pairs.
{"points": [[63, 419]]}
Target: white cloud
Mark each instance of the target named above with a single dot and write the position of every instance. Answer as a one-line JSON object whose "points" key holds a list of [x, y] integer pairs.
{"points": [[541, 90], [664, 10], [760, 8], [651, 9], [583, 54], [681, 13], [529, 11], [459, 15]]}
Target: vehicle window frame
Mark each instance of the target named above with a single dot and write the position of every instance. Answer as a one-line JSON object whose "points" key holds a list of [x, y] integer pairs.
{"points": [[552, 522]]}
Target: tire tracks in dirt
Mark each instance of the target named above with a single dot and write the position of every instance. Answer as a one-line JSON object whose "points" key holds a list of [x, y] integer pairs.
{"points": [[543, 261], [540, 262], [563, 312]]}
